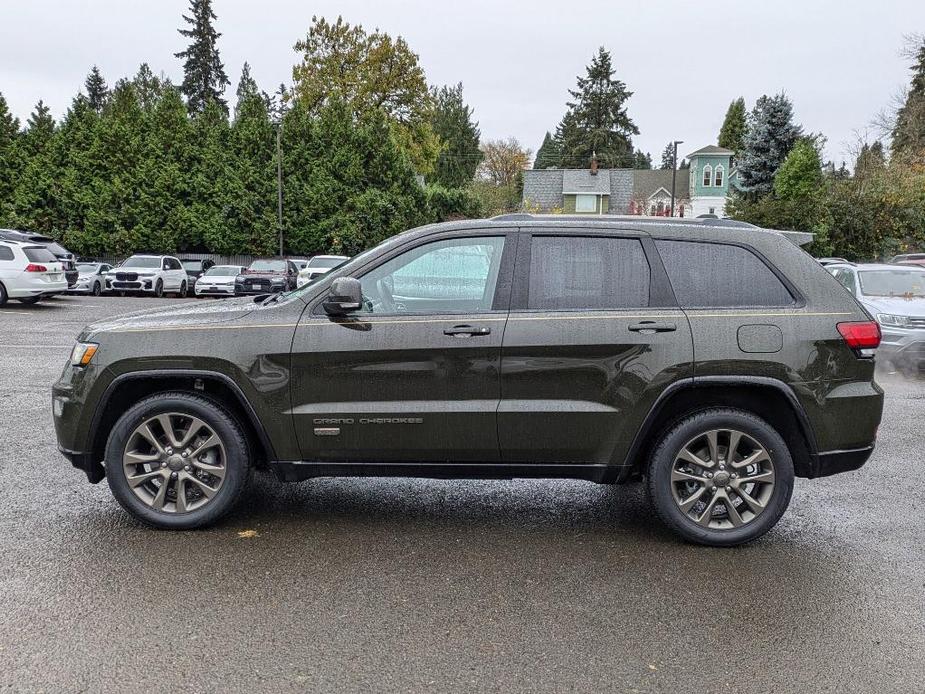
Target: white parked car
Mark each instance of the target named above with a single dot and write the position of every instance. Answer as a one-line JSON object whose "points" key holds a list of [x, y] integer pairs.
{"points": [[218, 280], [319, 265], [149, 274], [91, 278], [29, 272]]}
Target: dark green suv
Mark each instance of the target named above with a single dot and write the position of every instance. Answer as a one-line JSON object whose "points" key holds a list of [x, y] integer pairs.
{"points": [[716, 359]]}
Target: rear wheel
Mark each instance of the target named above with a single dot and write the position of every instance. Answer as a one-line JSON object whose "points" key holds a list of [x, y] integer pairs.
{"points": [[3, 295], [182, 293], [721, 477], [177, 461], [29, 300]]}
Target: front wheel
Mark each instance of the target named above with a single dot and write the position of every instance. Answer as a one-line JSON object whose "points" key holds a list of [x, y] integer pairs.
{"points": [[177, 461], [721, 477], [159, 289], [97, 289]]}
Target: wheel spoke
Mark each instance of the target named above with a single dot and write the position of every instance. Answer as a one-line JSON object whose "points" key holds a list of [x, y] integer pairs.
{"points": [[689, 502], [194, 428], [755, 457], [734, 438], [713, 443], [167, 425], [217, 470], [161, 496], [681, 476], [707, 515], [208, 443], [136, 458], [180, 489], [765, 476], [206, 489], [753, 504], [135, 480], [689, 457], [145, 432], [732, 511]]}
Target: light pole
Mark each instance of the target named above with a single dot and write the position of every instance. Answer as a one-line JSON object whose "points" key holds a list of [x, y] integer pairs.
{"points": [[279, 183], [674, 173]]}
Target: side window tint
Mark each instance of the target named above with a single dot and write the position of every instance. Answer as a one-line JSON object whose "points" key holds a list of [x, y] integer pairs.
{"points": [[708, 275], [587, 272], [6, 253], [451, 276]]}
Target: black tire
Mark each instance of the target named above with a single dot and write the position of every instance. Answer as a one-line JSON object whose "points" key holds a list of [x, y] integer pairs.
{"points": [[97, 289], [182, 293], [671, 442], [29, 300], [159, 289], [3, 294], [224, 424]]}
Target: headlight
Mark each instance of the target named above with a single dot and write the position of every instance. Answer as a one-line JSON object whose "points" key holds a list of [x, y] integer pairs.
{"points": [[891, 319], [83, 353]]}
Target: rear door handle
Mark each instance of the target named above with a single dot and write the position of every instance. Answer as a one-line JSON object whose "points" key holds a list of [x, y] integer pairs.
{"points": [[651, 326], [466, 331]]}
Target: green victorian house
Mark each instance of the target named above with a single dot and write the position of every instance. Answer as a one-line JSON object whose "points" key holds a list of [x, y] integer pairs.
{"points": [[700, 190]]}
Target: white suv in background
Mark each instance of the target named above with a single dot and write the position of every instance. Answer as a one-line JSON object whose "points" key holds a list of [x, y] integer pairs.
{"points": [[149, 274], [318, 266], [29, 272]]}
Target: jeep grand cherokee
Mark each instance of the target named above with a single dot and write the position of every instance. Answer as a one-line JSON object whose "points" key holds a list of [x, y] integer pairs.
{"points": [[716, 359]]}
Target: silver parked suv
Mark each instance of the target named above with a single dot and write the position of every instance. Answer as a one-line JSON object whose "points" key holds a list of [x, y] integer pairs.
{"points": [[895, 296]]}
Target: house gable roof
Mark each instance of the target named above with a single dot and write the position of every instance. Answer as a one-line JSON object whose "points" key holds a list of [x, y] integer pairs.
{"points": [[577, 181], [712, 149]]}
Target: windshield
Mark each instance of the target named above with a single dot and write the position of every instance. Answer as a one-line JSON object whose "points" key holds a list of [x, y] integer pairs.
{"points": [[907, 283], [142, 262], [191, 264], [224, 271], [87, 268], [268, 266], [325, 262]]}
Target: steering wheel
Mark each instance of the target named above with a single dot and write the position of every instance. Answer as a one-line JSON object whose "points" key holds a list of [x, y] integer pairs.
{"points": [[384, 286]]}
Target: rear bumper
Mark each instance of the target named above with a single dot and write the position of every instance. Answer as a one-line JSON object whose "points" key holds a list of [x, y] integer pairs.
{"points": [[35, 287], [93, 469], [834, 462]]}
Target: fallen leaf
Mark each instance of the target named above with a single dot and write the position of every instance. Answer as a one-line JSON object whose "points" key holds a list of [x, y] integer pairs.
{"points": [[247, 533]]}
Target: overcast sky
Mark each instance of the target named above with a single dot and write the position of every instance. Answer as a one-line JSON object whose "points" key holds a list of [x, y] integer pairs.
{"points": [[684, 60]]}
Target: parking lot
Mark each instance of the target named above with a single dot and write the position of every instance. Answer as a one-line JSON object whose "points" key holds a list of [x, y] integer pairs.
{"points": [[416, 585]]}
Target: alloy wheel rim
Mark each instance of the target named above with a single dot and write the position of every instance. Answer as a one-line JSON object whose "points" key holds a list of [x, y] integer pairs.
{"points": [[722, 479], [174, 462]]}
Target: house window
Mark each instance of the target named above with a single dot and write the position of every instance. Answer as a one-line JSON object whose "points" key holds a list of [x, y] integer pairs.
{"points": [[712, 210], [718, 176], [586, 203], [707, 176]]}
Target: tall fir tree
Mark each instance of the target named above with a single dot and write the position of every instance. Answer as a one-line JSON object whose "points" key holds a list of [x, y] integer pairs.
{"points": [[768, 140], [549, 154], [9, 159], [871, 160], [148, 87], [732, 133], [247, 87], [668, 162], [204, 77], [642, 160], [909, 130], [459, 138], [97, 90], [597, 120]]}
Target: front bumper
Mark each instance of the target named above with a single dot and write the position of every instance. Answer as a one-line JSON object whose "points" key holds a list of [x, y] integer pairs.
{"points": [[139, 285], [902, 345], [247, 290], [214, 289]]}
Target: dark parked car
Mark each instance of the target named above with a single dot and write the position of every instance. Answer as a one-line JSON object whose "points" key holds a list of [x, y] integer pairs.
{"points": [[64, 256], [195, 267], [714, 358], [267, 276], [910, 259]]}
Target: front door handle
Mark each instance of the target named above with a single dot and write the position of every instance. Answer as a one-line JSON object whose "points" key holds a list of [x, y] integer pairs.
{"points": [[466, 331], [651, 326]]}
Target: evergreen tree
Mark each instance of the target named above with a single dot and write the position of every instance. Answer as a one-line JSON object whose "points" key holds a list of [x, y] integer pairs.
{"points": [[684, 164], [642, 160], [34, 204], [871, 160], [909, 130], [247, 87], [549, 154], [732, 134], [9, 159], [768, 140], [668, 162], [459, 138], [597, 120], [204, 77], [97, 90], [148, 87], [800, 176]]}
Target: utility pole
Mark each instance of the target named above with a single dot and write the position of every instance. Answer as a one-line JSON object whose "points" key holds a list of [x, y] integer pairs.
{"points": [[674, 174], [279, 183]]}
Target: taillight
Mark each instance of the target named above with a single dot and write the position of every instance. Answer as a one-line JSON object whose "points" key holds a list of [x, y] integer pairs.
{"points": [[864, 335], [32, 267]]}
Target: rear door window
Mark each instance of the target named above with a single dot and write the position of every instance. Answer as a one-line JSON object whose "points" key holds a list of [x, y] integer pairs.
{"points": [[587, 272], [718, 275]]}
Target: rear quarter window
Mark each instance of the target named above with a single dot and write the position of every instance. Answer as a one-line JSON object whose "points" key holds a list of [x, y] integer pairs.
{"points": [[717, 275], [6, 253]]}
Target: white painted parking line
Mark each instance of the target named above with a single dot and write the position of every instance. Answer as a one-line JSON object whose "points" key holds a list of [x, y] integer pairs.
{"points": [[3, 346], [4, 311]]}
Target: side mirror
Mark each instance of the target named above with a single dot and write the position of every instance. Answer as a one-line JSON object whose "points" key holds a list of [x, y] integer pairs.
{"points": [[344, 296]]}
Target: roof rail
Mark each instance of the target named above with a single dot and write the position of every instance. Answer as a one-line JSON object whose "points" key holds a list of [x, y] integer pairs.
{"points": [[513, 217]]}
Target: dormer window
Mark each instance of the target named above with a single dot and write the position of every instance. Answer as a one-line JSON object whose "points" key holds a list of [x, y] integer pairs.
{"points": [[718, 176], [707, 176]]}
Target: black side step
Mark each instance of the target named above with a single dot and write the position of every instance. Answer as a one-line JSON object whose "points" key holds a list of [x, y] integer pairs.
{"points": [[294, 471]]}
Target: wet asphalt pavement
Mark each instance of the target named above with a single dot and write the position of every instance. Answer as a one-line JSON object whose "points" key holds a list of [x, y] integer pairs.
{"points": [[416, 585]]}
